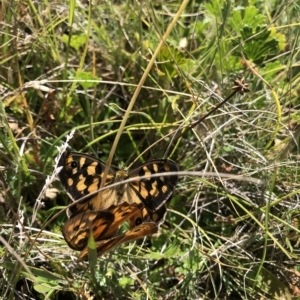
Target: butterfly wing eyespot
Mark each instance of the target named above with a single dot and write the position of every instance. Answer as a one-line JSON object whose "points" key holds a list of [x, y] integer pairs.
{"points": [[73, 164], [145, 216], [138, 221], [138, 218]]}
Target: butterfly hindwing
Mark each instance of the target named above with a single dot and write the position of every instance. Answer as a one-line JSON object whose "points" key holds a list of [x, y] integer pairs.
{"points": [[122, 213], [138, 232], [102, 224], [145, 216], [77, 229]]}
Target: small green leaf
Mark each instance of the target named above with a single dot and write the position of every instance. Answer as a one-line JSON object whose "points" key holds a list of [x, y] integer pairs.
{"points": [[169, 58], [257, 42], [227, 149], [171, 251], [44, 288], [126, 281], [92, 251], [76, 40], [249, 16], [87, 79]]}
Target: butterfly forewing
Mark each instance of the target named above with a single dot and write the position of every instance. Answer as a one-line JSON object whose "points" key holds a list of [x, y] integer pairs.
{"points": [[155, 191], [80, 176]]}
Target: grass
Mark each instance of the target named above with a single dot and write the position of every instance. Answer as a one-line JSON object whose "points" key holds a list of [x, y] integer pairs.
{"points": [[130, 78]]}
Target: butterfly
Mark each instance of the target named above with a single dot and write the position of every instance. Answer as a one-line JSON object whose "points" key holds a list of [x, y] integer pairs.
{"points": [[102, 213]]}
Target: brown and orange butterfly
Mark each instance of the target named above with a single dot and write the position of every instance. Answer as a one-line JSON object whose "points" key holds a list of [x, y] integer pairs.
{"points": [[141, 202]]}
